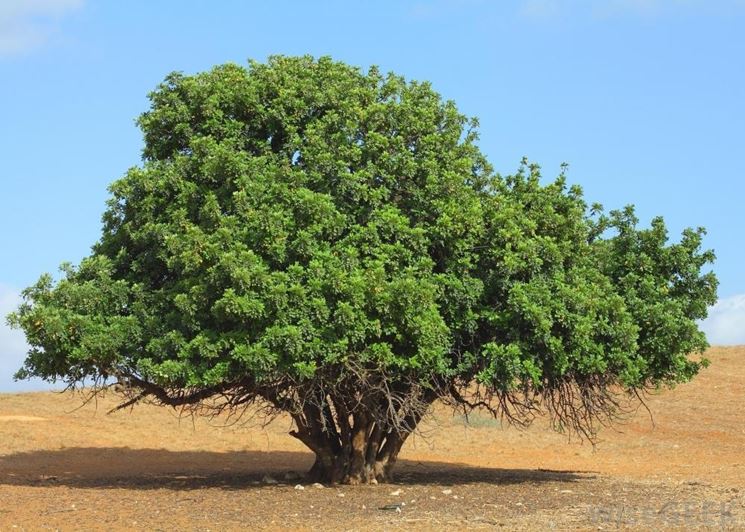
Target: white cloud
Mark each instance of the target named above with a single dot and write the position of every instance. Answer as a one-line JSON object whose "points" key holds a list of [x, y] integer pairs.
{"points": [[726, 322], [28, 24], [13, 347]]}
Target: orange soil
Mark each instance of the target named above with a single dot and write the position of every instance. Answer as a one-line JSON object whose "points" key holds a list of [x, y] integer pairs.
{"points": [[70, 468]]}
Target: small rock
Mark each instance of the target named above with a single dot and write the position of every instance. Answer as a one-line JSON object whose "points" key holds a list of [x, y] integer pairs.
{"points": [[299, 487], [340, 495], [391, 507], [518, 504], [318, 485], [447, 492], [397, 492], [566, 491]]}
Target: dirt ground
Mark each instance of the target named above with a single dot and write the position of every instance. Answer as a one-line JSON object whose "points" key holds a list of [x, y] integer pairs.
{"points": [[70, 468]]}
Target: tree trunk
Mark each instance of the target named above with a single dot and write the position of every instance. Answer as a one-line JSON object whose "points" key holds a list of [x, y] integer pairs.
{"points": [[367, 455], [356, 447], [362, 461]]}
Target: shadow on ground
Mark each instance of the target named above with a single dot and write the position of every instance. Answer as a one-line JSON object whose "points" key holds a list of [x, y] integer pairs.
{"points": [[122, 467]]}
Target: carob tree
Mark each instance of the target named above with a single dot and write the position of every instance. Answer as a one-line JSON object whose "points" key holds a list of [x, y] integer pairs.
{"points": [[331, 243]]}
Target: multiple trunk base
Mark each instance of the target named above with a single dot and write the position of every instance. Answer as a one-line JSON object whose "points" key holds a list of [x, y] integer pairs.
{"points": [[366, 457], [357, 445], [340, 471], [368, 461]]}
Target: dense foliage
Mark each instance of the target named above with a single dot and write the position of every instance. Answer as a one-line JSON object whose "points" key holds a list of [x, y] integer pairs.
{"points": [[332, 244]]}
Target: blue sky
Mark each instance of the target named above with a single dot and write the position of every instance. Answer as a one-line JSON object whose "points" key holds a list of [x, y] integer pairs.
{"points": [[645, 99]]}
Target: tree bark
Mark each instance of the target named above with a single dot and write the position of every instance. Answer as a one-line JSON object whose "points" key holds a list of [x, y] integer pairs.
{"points": [[352, 448], [338, 470], [369, 457]]}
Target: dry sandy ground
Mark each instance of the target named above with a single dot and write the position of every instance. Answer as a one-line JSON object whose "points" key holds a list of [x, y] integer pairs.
{"points": [[68, 469]]}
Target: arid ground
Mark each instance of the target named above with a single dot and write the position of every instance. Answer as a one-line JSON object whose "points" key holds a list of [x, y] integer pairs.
{"points": [[70, 468]]}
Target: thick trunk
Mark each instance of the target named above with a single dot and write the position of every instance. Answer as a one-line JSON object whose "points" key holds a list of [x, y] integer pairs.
{"points": [[366, 456], [366, 461], [354, 447]]}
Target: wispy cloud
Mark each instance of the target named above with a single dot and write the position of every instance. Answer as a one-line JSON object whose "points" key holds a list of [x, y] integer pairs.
{"points": [[726, 322], [28, 24]]}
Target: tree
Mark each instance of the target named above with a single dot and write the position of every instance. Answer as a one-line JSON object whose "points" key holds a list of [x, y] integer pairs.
{"points": [[332, 244]]}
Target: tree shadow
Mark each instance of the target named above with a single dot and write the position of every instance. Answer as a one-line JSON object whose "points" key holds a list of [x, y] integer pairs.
{"points": [[122, 467]]}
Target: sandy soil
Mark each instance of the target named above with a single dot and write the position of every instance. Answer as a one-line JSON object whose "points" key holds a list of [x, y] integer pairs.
{"points": [[67, 467]]}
